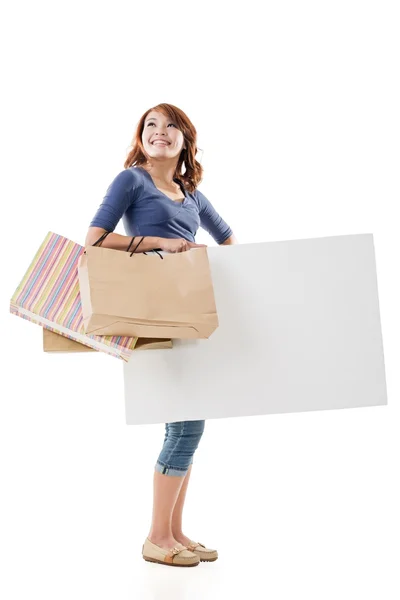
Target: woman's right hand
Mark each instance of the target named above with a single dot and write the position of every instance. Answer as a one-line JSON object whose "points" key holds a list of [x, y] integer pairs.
{"points": [[178, 245]]}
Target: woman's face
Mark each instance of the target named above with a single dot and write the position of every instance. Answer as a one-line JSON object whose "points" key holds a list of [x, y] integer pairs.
{"points": [[161, 137]]}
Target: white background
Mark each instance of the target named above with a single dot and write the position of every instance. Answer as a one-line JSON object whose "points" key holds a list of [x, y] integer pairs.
{"points": [[296, 108]]}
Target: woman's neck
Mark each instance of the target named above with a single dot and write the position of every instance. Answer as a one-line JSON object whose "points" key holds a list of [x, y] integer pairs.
{"points": [[162, 173]]}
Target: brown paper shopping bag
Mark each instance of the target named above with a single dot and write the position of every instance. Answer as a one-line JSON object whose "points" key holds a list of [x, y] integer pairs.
{"points": [[54, 342], [147, 295]]}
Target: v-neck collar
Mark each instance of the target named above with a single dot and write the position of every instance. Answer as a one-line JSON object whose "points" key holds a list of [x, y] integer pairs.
{"points": [[181, 201]]}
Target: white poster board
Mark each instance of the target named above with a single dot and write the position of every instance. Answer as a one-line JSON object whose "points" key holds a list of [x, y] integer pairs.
{"points": [[299, 330]]}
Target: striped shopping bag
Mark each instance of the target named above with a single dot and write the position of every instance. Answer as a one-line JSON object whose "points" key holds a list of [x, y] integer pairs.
{"points": [[54, 342], [49, 296]]}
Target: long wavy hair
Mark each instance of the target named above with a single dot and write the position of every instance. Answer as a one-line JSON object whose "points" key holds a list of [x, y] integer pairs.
{"points": [[194, 171]]}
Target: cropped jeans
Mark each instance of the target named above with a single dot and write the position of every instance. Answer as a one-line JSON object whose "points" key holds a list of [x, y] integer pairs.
{"points": [[180, 443]]}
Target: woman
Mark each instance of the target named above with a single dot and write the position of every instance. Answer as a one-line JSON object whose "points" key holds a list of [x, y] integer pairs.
{"points": [[163, 206]]}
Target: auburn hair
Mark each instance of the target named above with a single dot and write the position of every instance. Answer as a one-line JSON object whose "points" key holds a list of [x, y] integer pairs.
{"points": [[194, 171]]}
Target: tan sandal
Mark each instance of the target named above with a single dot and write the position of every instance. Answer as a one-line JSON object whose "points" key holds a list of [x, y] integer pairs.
{"points": [[205, 554], [174, 557]]}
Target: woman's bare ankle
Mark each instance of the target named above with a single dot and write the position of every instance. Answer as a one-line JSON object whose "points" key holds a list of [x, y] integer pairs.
{"points": [[163, 541]]}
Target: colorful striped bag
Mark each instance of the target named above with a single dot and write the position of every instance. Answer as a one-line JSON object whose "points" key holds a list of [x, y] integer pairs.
{"points": [[56, 342], [49, 296]]}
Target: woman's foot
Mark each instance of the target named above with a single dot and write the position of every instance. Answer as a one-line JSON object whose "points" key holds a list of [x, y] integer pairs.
{"points": [[205, 554], [166, 543], [182, 539], [175, 556]]}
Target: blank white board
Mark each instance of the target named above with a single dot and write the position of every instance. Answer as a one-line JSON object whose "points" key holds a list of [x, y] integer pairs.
{"points": [[299, 330]]}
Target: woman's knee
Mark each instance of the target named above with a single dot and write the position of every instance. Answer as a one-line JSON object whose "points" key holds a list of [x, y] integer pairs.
{"points": [[192, 430], [181, 442]]}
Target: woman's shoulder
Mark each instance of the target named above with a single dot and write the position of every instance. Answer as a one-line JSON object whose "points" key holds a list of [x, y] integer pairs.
{"points": [[199, 198], [131, 174], [129, 180]]}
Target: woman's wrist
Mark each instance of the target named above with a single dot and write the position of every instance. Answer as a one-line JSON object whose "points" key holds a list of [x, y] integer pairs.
{"points": [[116, 241], [158, 243], [149, 242], [146, 243]]}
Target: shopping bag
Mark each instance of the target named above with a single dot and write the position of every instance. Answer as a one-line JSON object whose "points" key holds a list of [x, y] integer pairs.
{"points": [[147, 295], [55, 342], [49, 296]]}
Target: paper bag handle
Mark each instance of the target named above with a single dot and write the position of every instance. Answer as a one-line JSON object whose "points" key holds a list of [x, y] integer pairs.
{"points": [[105, 234], [102, 238], [137, 246]]}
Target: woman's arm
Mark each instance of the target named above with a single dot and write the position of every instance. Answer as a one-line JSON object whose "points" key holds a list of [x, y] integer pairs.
{"points": [[213, 223], [116, 241], [119, 196], [121, 242], [230, 241]]}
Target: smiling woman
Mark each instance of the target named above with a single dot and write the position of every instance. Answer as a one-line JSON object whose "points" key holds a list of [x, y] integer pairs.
{"points": [[164, 142], [161, 132], [165, 139], [163, 206]]}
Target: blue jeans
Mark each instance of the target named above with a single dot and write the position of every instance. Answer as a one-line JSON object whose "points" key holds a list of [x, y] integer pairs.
{"points": [[180, 443]]}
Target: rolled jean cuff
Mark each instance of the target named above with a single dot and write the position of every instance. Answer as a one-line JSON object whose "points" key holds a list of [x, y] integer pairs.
{"points": [[168, 470]]}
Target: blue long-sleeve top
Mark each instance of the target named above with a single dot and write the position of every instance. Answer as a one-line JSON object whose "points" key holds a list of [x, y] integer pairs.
{"points": [[145, 210]]}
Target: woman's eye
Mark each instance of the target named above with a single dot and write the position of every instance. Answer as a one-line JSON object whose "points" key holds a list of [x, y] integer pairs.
{"points": [[148, 125]]}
